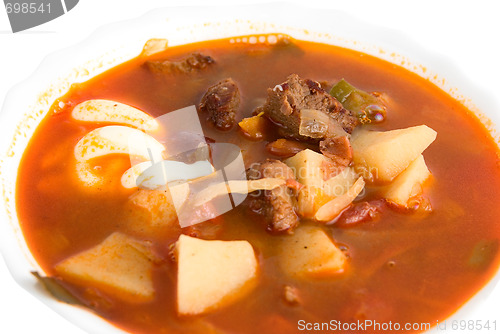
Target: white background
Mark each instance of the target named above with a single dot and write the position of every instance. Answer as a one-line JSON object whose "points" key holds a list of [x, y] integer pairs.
{"points": [[467, 32]]}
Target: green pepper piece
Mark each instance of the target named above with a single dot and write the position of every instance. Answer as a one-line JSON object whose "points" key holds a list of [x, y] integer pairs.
{"points": [[342, 90], [365, 106]]}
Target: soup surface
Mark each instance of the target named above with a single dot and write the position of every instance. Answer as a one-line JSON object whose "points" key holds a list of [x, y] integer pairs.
{"points": [[402, 265]]}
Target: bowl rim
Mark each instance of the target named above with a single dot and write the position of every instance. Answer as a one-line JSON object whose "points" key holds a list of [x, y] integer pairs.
{"points": [[252, 19]]}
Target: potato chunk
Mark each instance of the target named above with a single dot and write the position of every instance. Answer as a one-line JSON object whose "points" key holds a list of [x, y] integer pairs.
{"points": [[384, 155], [211, 272], [314, 170], [310, 199], [154, 212], [310, 168], [119, 265], [310, 252], [152, 207], [409, 183]]}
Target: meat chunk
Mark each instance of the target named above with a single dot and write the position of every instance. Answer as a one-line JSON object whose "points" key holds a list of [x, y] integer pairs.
{"points": [[277, 204], [193, 63], [285, 102], [277, 207], [221, 102], [338, 149], [360, 212]]}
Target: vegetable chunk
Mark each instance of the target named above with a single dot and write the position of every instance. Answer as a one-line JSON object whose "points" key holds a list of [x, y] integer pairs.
{"points": [[367, 107], [408, 183], [310, 252], [311, 168], [310, 198], [119, 265], [210, 272], [340, 183], [322, 179], [254, 127], [150, 212], [384, 155], [333, 208]]}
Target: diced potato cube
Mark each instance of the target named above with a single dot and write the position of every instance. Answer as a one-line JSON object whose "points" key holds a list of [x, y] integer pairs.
{"points": [[119, 265], [149, 212], [409, 183], [310, 168], [384, 155], [313, 170], [310, 252], [211, 272]]}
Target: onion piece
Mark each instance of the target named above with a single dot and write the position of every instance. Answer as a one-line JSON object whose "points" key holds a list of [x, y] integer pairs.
{"points": [[313, 123], [154, 45], [306, 201], [334, 207], [317, 124], [105, 111]]}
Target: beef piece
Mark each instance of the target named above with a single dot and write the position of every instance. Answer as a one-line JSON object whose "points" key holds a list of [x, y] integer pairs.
{"points": [[192, 63], [277, 204], [277, 207], [221, 102], [360, 212], [338, 149], [285, 102]]}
